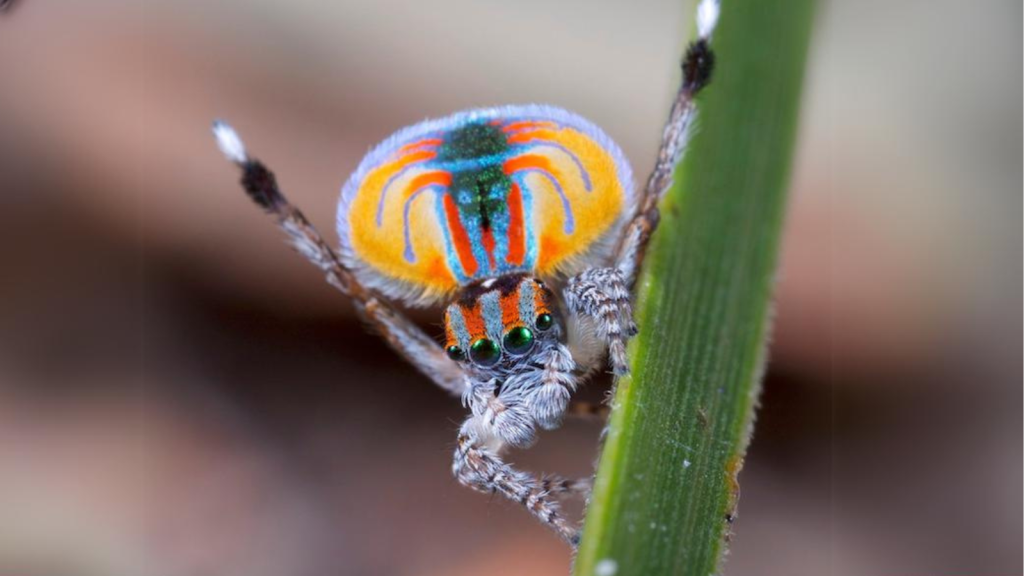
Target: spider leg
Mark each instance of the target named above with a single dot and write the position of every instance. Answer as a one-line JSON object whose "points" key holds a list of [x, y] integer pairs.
{"points": [[478, 466], [505, 414], [697, 67], [602, 294], [566, 486], [401, 333], [585, 410], [548, 401]]}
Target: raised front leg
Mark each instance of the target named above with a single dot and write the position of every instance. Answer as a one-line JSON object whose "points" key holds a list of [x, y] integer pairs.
{"points": [[402, 334], [601, 295], [697, 66]]}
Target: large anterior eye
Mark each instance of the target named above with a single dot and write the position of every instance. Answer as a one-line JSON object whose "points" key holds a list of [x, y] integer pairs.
{"points": [[485, 352], [519, 340], [455, 353]]}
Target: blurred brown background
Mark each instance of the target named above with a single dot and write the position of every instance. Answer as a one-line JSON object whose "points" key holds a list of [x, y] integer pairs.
{"points": [[181, 395]]}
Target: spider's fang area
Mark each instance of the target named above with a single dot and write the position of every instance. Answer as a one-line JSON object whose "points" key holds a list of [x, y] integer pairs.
{"points": [[697, 66], [261, 185]]}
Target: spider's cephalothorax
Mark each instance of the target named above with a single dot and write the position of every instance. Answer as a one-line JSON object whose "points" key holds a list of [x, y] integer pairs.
{"points": [[505, 332], [524, 222]]}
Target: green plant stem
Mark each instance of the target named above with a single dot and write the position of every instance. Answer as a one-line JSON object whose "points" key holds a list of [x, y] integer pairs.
{"points": [[666, 488]]}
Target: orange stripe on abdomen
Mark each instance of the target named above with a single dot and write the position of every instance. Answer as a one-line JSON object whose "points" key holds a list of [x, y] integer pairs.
{"points": [[529, 135], [437, 177], [528, 161], [511, 127], [516, 236], [487, 239], [418, 156], [424, 142], [459, 237]]}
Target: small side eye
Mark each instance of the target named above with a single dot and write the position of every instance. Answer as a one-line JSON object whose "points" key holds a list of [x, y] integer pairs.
{"points": [[455, 353], [485, 352], [519, 340], [544, 322]]}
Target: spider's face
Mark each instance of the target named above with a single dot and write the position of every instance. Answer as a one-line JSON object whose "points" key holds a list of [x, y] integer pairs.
{"points": [[499, 326]]}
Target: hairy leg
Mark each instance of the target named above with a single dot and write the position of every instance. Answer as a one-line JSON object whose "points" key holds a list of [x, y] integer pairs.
{"points": [[402, 334], [547, 401], [603, 295], [559, 486], [478, 466], [697, 67]]}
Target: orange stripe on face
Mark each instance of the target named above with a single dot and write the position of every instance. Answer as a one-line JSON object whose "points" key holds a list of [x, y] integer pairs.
{"points": [[510, 309], [473, 316], [528, 124], [516, 236], [450, 338], [540, 301], [459, 237]]}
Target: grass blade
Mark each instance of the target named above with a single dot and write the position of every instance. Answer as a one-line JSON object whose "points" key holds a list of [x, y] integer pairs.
{"points": [[666, 483]]}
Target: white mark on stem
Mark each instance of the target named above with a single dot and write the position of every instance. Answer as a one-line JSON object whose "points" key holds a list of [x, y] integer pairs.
{"points": [[606, 567]]}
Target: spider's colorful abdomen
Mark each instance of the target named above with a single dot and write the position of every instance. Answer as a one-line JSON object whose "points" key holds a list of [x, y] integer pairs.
{"points": [[480, 194]]}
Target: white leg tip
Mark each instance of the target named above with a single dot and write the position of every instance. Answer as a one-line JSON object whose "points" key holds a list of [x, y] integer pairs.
{"points": [[229, 142], [707, 17]]}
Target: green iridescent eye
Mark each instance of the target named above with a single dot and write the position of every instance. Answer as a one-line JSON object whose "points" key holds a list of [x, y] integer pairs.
{"points": [[544, 322], [485, 352], [455, 353], [519, 340]]}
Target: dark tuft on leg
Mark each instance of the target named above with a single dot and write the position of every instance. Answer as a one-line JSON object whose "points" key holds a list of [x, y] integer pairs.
{"points": [[261, 186], [697, 66]]}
